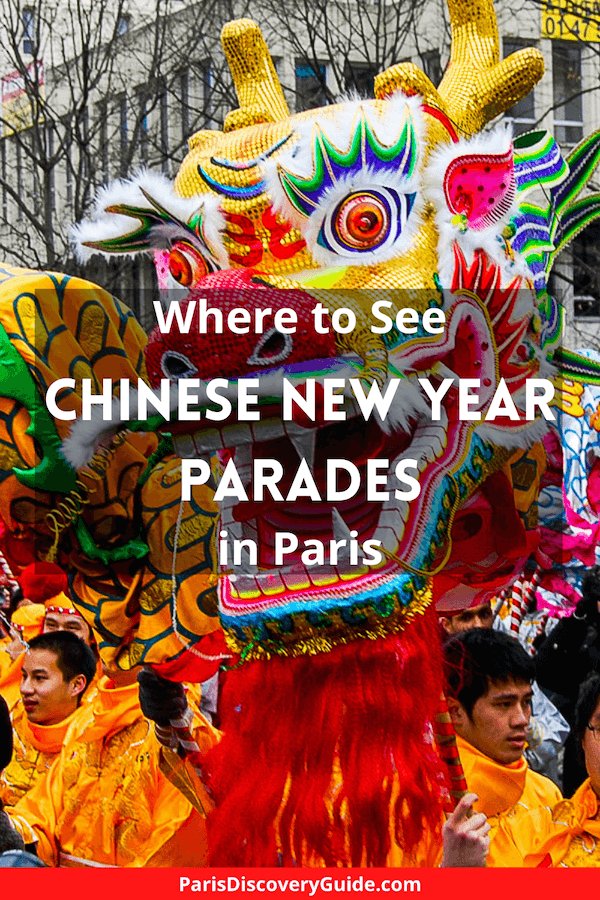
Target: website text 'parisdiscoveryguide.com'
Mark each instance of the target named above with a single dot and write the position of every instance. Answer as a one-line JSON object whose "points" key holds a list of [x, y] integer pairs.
{"points": [[326, 884]]}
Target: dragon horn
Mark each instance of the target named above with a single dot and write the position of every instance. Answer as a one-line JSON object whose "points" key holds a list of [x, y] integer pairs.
{"points": [[256, 83]]}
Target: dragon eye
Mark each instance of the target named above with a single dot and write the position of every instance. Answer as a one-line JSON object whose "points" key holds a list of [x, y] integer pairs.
{"points": [[177, 365], [366, 222], [186, 265], [362, 221]]}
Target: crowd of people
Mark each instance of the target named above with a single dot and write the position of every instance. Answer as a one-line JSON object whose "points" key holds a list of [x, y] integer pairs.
{"points": [[89, 779]]}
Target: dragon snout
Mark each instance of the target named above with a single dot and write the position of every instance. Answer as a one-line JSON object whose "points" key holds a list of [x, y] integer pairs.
{"points": [[233, 324]]}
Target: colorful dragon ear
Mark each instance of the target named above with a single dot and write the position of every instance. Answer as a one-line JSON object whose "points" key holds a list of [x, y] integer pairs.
{"points": [[472, 183], [189, 229], [542, 231], [478, 188], [472, 186], [350, 182]]}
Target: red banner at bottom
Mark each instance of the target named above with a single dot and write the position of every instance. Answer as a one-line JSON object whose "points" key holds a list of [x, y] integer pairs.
{"points": [[168, 884]]}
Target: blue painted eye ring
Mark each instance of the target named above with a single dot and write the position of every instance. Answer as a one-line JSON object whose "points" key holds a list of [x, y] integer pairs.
{"points": [[392, 209]]}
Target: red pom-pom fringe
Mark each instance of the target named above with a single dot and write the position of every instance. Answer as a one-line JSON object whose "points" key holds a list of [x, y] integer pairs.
{"points": [[325, 759], [41, 581]]}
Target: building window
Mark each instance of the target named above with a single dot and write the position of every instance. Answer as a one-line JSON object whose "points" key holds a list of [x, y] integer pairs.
{"points": [[104, 155], [359, 77], [50, 173], [85, 165], [586, 273], [184, 103], [432, 65], [567, 87], [144, 125], [164, 129], [523, 112], [69, 195], [123, 25], [3, 176], [208, 100], [19, 167], [200, 99], [311, 90], [123, 135], [586, 307], [28, 19]]}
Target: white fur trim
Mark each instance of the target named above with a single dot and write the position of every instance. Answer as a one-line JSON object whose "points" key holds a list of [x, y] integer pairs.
{"points": [[387, 124], [104, 226], [85, 438], [407, 407], [497, 141], [519, 437]]}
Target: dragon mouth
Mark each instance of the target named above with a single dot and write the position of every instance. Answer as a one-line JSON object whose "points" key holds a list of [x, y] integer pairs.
{"points": [[340, 526], [266, 592]]}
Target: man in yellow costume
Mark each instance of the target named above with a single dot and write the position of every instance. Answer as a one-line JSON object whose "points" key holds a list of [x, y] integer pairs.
{"points": [[105, 800], [488, 682], [568, 834], [44, 607], [56, 672], [461, 842], [60, 615]]}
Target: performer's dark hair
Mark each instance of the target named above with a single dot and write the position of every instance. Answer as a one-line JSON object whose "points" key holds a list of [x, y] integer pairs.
{"points": [[475, 659], [73, 656], [589, 695]]}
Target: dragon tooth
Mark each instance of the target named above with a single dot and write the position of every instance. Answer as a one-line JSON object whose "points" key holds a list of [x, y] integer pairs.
{"points": [[183, 445], [243, 463], [236, 435], [267, 430], [245, 566], [304, 440], [341, 532], [207, 440]]}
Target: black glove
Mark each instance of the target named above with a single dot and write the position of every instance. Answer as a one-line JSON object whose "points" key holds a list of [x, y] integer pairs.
{"points": [[161, 700]]}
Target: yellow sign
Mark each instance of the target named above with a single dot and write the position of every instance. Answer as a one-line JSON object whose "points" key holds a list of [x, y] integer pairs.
{"points": [[571, 20]]}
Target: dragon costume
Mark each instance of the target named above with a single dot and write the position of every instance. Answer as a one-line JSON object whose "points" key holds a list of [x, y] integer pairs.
{"points": [[333, 675]]}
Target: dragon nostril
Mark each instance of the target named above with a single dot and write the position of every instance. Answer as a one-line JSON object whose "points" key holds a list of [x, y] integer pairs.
{"points": [[176, 365], [274, 345], [273, 348]]}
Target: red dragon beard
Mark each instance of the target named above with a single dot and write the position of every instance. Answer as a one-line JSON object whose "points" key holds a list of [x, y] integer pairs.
{"points": [[327, 759]]}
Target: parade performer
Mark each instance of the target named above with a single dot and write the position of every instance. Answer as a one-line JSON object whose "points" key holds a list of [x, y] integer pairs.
{"points": [[38, 582], [26, 622], [47, 609], [489, 686], [57, 670], [547, 729], [402, 199], [567, 833], [105, 800]]}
